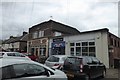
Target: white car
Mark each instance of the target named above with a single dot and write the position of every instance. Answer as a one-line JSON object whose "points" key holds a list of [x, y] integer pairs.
{"points": [[56, 61], [14, 55], [18, 69]]}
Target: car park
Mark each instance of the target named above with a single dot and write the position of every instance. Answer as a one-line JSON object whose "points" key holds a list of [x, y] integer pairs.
{"points": [[55, 61], [14, 55], [19, 69], [83, 67]]}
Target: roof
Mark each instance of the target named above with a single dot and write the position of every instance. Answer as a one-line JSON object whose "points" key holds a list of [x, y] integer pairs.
{"points": [[56, 26], [16, 39]]}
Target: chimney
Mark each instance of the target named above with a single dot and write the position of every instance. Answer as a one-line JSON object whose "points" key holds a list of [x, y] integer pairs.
{"points": [[11, 37], [24, 33]]}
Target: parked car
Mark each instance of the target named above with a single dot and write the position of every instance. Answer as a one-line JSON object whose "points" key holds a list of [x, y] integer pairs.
{"points": [[83, 67], [15, 55], [31, 56], [55, 61], [18, 69]]}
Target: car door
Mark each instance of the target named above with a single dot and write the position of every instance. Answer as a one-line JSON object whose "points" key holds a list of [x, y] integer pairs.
{"points": [[96, 62], [92, 67], [26, 72]]}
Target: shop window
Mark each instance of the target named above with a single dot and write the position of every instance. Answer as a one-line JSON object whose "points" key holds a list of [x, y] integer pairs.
{"points": [[84, 54], [91, 43], [92, 54], [91, 49], [84, 43], [72, 44], [84, 49], [77, 44], [72, 51], [78, 51]]}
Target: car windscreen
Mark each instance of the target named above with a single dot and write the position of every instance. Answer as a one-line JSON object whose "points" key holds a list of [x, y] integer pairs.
{"points": [[53, 59], [16, 54], [72, 63]]}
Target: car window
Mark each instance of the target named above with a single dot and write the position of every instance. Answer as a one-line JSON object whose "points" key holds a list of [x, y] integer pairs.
{"points": [[53, 59], [89, 59], [10, 54], [26, 70], [19, 55], [63, 58], [6, 72], [95, 60], [70, 60]]}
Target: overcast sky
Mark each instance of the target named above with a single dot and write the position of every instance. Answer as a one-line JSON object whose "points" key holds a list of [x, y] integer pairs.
{"points": [[85, 15]]}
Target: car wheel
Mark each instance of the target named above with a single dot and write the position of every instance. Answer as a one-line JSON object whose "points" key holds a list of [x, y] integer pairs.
{"points": [[87, 77], [103, 74]]}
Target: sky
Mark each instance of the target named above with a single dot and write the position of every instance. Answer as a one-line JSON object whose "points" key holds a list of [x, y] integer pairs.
{"points": [[17, 16]]}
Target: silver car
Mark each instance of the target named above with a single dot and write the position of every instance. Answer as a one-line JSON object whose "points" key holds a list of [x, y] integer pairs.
{"points": [[19, 69], [56, 61], [14, 55]]}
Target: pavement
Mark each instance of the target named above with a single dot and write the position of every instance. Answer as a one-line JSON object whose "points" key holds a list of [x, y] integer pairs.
{"points": [[112, 74]]}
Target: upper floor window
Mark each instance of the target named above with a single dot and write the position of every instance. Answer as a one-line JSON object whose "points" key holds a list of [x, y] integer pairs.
{"points": [[111, 41], [41, 33], [58, 34], [35, 35]]}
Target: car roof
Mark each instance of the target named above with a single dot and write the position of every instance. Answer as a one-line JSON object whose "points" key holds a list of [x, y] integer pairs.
{"points": [[6, 62], [9, 52], [60, 56]]}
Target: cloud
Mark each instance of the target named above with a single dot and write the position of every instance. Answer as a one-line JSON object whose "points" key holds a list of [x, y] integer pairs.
{"points": [[81, 14]]}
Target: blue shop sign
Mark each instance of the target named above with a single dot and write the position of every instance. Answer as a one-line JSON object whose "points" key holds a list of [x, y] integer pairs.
{"points": [[58, 44]]}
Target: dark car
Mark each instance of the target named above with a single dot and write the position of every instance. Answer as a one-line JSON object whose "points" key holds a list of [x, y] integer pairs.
{"points": [[83, 67]]}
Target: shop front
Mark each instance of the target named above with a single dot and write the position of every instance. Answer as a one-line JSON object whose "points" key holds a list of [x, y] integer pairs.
{"points": [[39, 47]]}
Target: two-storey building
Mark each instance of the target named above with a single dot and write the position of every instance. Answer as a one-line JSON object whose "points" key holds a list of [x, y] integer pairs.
{"points": [[40, 34]]}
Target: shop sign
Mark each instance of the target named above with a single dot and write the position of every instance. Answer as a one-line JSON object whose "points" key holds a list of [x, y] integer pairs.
{"points": [[58, 44], [57, 39]]}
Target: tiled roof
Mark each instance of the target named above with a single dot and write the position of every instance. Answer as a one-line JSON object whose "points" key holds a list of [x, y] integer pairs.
{"points": [[16, 39], [57, 27]]}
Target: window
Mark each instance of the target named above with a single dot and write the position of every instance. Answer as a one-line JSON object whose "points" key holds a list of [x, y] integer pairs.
{"points": [[91, 43], [26, 70], [6, 72], [35, 35], [78, 51], [84, 43], [72, 51], [77, 44], [118, 44], [95, 60], [41, 33], [58, 34], [53, 59], [115, 43], [83, 48], [72, 44], [91, 49], [111, 41]]}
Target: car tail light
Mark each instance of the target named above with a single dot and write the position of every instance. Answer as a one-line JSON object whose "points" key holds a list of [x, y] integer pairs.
{"points": [[56, 64], [81, 67]]}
